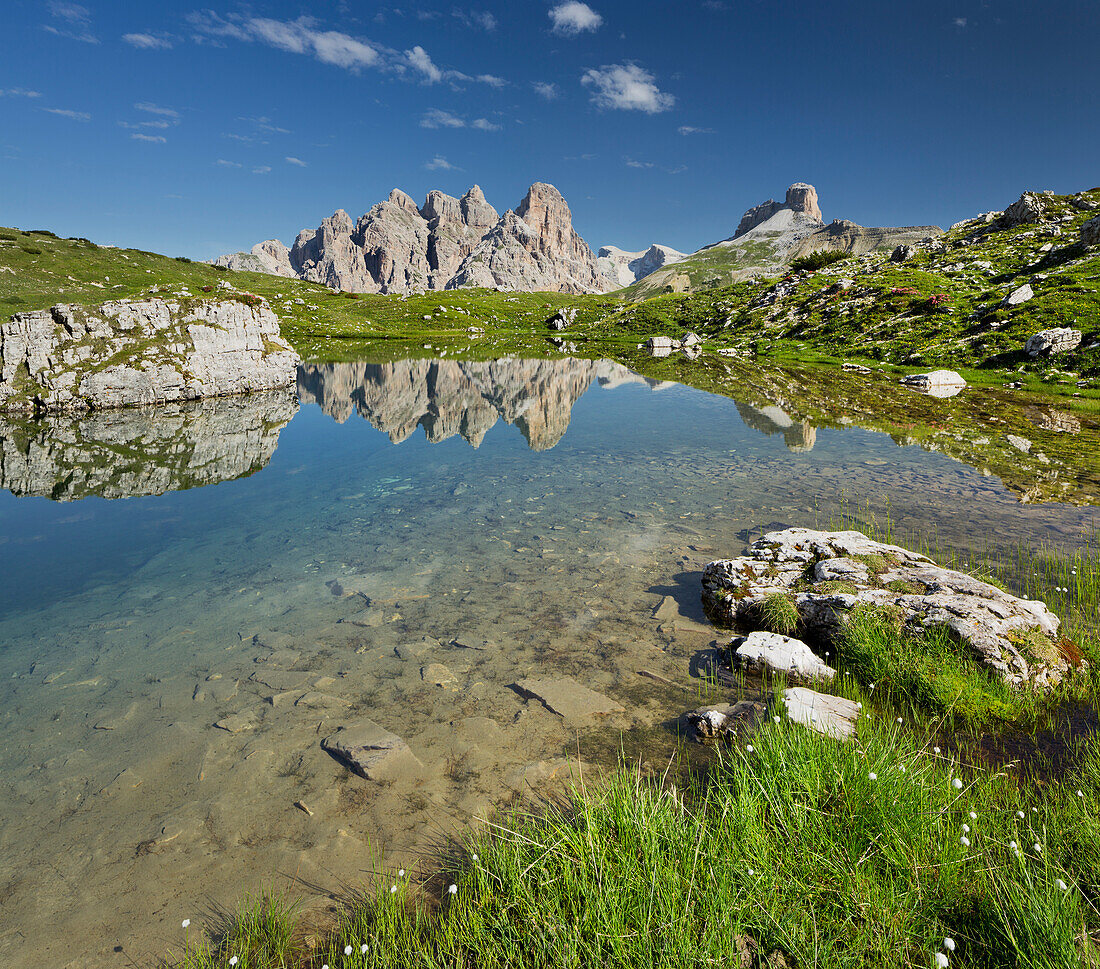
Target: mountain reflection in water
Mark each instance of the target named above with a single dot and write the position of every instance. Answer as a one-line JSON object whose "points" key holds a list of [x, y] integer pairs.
{"points": [[449, 397]]}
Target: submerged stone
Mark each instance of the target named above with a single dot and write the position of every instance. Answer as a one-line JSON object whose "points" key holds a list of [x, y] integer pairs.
{"points": [[371, 751]]}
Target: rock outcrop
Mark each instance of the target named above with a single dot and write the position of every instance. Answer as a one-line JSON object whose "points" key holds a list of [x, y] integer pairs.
{"points": [[136, 352], [531, 249], [449, 397], [622, 268], [398, 247], [270, 257], [127, 452], [1047, 343], [801, 198], [771, 235], [834, 572], [1090, 232]]}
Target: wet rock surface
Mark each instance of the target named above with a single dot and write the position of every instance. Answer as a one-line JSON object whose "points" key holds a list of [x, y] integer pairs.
{"points": [[826, 575], [771, 653]]}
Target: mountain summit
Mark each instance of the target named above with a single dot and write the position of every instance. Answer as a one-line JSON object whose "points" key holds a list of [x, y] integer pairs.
{"points": [[446, 243]]}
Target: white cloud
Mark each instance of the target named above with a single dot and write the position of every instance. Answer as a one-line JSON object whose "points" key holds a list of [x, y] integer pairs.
{"points": [[156, 139], [574, 18], [544, 89], [75, 22], [475, 18], [960, 21], [149, 108], [491, 79], [19, 92], [227, 164], [435, 118], [440, 164], [687, 129], [294, 36], [634, 163], [420, 61], [69, 113], [626, 87], [148, 41], [261, 170], [291, 160]]}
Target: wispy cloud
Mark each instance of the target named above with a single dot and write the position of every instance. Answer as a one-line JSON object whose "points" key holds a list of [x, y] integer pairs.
{"points": [[440, 164], [304, 36], [156, 139], [261, 170], [149, 108], [72, 21], [687, 129], [544, 89], [626, 87], [291, 160], [18, 92], [225, 163], [480, 19], [267, 125], [149, 41], [435, 118], [960, 21], [69, 113], [573, 18]]}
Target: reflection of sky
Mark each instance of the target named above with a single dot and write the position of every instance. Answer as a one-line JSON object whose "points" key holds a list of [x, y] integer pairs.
{"points": [[680, 445]]}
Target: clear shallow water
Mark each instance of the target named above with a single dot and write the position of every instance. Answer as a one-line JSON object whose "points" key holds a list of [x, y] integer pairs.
{"points": [[130, 626]]}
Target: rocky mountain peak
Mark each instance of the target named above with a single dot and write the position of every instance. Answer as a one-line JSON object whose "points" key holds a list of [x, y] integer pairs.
{"points": [[399, 247], [801, 198]]}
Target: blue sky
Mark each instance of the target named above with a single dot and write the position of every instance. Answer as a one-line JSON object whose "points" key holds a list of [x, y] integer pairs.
{"points": [[196, 130]]}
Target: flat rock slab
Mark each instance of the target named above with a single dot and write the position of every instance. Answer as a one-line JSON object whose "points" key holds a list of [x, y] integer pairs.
{"points": [[568, 699], [833, 716], [826, 575], [371, 751], [237, 722], [763, 652]]}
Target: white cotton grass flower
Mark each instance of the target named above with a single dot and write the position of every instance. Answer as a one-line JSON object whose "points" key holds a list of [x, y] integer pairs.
{"points": [[393, 889], [401, 873], [1038, 848], [872, 777], [964, 841], [751, 873], [363, 949], [899, 720], [185, 923], [957, 783], [966, 829], [973, 815], [453, 889], [776, 719], [748, 749], [1013, 845], [949, 944], [233, 960], [1062, 886], [901, 767], [473, 857], [1019, 814], [347, 950], [941, 960], [935, 750], [1080, 793]]}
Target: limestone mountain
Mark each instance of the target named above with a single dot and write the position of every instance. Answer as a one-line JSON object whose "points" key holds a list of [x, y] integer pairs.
{"points": [[448, 243], [768, 237], [624, 268]]}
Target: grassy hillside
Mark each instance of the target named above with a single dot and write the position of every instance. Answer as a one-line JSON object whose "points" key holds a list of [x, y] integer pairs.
{"points": [[944, 307]]}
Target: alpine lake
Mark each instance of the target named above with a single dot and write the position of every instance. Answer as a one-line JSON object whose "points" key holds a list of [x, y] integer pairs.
{"points": [[195, 597]]}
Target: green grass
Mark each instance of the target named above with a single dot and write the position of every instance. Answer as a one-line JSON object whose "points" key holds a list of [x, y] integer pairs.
{"points": [[778, 613], [838, 854]]}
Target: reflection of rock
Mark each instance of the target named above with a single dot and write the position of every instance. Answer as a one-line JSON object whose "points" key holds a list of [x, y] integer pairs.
{"points": [[448, 397], [798, 435], [935, 383], [836, 572], [147, 451]]}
